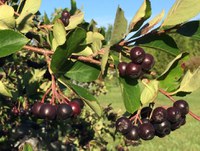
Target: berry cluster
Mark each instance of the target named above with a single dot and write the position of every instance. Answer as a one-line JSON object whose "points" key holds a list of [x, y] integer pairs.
{"points": [[140, 62], [61, 111], [161, 122], [65, 17]]}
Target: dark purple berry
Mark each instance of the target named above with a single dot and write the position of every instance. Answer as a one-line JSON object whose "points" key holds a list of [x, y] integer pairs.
{"points": [[137, 54], [133, 70], [123, 125], [79, 101], [163, 128], [65, 14], [146, 131], [148, 62], [122, 68], [133, 134], [75, 108], [159, 115], [48, 111], [36, 109], [173, 114], [65, 21], [145, 112], [183, 106], [64, 111]]}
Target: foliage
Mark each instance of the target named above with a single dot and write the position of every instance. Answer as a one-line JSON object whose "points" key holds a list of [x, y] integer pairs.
{"points": [[44, 60]]}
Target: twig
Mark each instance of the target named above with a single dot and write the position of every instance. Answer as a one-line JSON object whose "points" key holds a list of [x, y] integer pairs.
{"points": [[80, 58]]}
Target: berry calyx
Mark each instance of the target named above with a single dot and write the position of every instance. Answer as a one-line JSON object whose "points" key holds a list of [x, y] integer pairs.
{"points": [[183, 106], [137, 55], [159, 115], [64, 111], [122, 68], [133, 134], [133, 70], [123, 125], [148, 62], [146, 131]]}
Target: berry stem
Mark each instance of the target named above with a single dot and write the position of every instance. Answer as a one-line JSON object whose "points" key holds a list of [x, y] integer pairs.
{"points": [[45, 94], [173, 100]]}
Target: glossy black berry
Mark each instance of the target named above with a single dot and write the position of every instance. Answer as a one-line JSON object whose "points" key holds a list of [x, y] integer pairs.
{"points": [[48, 111], [159, 115], [122, 68], [163, 128], [65, 21], [133, 134], [137, 54], [123, 125], [176, 125], [145, 112], [148, 62], [64, 111], [65, 14], [79, 101], [146, 131], [183, 106], [173, 114], [133, 70], [36, 109], [75, 108]]}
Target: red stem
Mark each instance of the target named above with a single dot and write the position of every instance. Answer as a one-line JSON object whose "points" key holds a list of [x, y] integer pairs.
{"points": [[45, 94], [173, 100]]}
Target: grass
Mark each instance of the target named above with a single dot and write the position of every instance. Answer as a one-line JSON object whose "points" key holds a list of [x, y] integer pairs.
{"points": [[186, 138]]}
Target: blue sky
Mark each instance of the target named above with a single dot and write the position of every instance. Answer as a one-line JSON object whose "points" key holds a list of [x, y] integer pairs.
{"points": [[103, 11]]}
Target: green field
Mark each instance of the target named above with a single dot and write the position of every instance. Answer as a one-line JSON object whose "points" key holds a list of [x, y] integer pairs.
{"points": [[186, 138]]}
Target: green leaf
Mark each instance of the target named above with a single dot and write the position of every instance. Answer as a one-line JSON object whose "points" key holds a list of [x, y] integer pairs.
{"points": [[104, 59], [27, 147], [75, 20], [46, 18], [11, 42], [142, 14], [73, 7], [88, 98], [148, 26], [181, 11], [62, 53], [4, 90], [190, 29], [94, 38], [150, 92], [161, 42], [83, 72], [85, 52], [120, 27], [131, 94], [7, 19], [169, 79], [152, 23], [25, 19], [190, 82], [59, 34]]}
